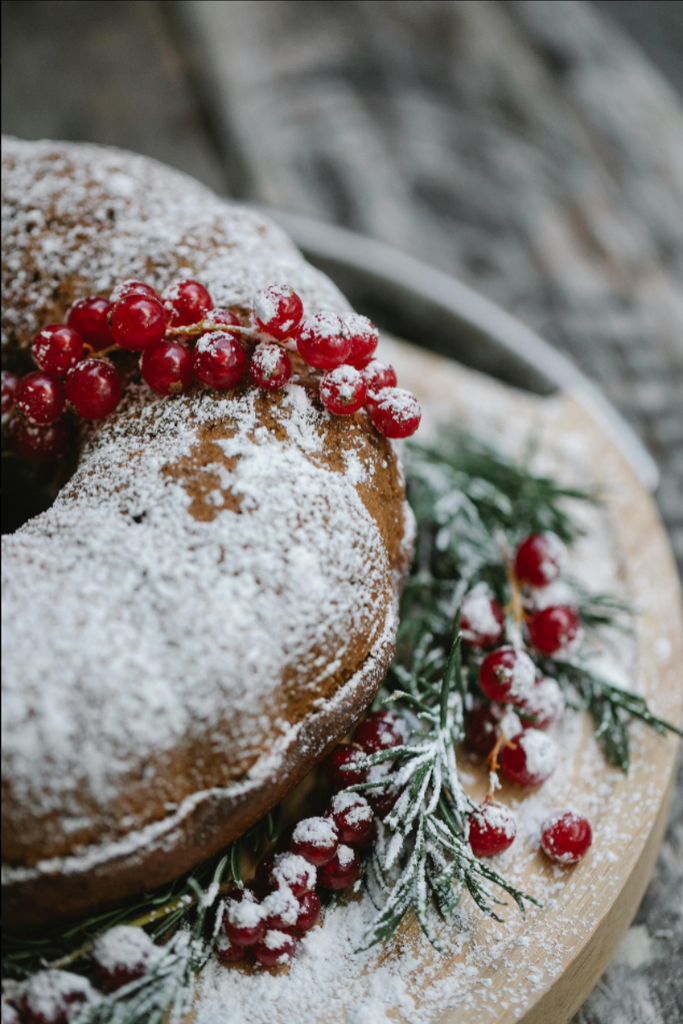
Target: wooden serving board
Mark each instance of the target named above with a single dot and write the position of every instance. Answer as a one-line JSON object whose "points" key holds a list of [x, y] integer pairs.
{"points": [[538, 971]]}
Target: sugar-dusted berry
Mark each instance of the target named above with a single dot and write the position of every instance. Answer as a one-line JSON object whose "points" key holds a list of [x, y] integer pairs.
{"points": [[121, 955], [94, 388], [221, 318], [544, 703], [566, 836], [492, 829], [219, 360], [281, 908], [507, 675], [275, 949], [553, 629], [167, 367], [481, 727], [51, 996], [323, 341], [131, 287], [39, 396], [342, 870], [316, 840], [334, 764], [396, 413], [288, 869], [539, 558], [270, 366], [229, 952], [138, 321], [186, 302], [380, 730], [309, 911], [352, 814], [278, 311], [56, 348], [38, 444], [90, 318], [364, 337], [244, 922], [9, 387], [530, 758], [378, 375], [482, 620], [343, 390]]}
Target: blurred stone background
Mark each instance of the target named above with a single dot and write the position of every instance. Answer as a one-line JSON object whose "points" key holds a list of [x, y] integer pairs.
{"points": [[533, 148]]}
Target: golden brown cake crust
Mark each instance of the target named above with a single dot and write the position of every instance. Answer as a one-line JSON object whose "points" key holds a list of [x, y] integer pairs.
{"points": [[212, 600]]}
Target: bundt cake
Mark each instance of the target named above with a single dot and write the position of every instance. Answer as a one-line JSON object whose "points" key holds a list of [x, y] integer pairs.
{"points": [[211, 601]]}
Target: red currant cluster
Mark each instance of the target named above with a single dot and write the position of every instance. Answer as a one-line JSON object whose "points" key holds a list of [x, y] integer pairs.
{"points": [[73, 368]]}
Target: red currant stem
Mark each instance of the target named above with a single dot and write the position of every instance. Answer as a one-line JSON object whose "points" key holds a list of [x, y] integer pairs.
{"points": [[202, 327], [492, 760]]}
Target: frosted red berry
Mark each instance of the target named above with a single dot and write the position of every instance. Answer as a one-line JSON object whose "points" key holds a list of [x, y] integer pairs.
{"points": [[40, 397], [138, 321], [167, 367], [94, 388], [482, 620], [553, 629], [219, 360], [244, 922], [481, 728], [51, 995], [545, 703], [566, 837], [342, 870], [186, 302], [378, 375], [396, 413], [288, 869], [281, 908], [39, 444], [530, 758], [56, 348], [278, 311], [229, 952], [492, 829], [379, 730], [343, 390], [270, 366], [382, 798], [90, 318], [121, 955], [332, 766], [352, 815], [323, 341], [9, 387], [538, 560], [507, 675], [275, 949], [221, 317], [8, 1014], [364, 337], [316, 840], [131, 287], [309, 911]]}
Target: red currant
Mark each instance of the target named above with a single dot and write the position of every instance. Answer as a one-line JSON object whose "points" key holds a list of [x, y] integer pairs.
{"points": [[57, 348], [278, 311], [39, 444], [219, 360], [530, 758], [138, 321], [545, 703], [482, 620], [507, 675], [566, 836], [553, 628], [332, 766], [281, 908], [131, 287], [352, 814], [364, 337], [167, 367], [270, 366], [378, 375], [40, 397], [186, 302], [9, 1014], [49, 996], [309, 911], [90, 318], [245, 921], [343, 390], [396, 413], [9, 387], [315, 839], [382, 798], [539, 559], [323, 341], [229, 952], [481, 728], [275, 949], [380, 730], [286, 869], [492, 829], [342, 870], [94, 388], [221, 317], [123, 954]]}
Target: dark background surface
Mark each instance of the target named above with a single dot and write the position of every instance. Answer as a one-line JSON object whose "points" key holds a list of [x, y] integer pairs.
{"points": [[527, 146]]}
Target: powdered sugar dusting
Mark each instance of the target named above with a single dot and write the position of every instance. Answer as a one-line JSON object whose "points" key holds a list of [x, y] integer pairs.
{"points": [[541, 753]]}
